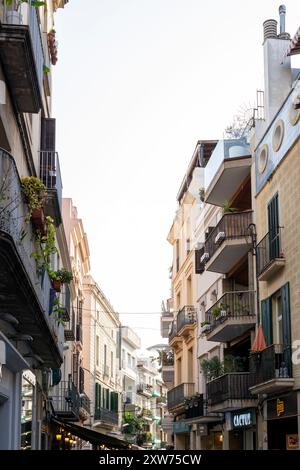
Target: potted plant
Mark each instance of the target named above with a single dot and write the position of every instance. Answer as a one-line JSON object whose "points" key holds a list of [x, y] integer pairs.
{"points": [[33, 191], [202, 194], [62, 276], [52, 44], [205, 325], [216, 312], [227, 208], [14, 15]]}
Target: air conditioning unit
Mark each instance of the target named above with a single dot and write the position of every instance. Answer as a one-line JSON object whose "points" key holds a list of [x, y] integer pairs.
{"points": [[204, 257], [220, 238]]}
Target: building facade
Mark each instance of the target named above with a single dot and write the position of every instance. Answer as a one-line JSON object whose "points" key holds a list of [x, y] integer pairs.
{"points": [[31, 337]]}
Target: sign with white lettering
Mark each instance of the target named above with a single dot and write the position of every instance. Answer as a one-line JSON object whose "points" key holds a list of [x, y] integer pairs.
{"points": [[242, 419]]}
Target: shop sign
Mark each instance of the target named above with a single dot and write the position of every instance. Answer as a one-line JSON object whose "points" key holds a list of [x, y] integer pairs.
{"points": [[181, 427], [203, 429], [282, 407], [242, 419]]}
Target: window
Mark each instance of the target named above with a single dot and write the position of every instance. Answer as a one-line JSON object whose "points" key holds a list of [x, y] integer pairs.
{"points": [[273, 224], [112, 363], [105, 355], [277, 319], [177, 248], [97, 349]]}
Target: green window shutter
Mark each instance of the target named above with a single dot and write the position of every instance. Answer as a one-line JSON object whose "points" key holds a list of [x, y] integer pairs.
{"points": [[97, 396], [286, 315], [266, 320], [107, 399], [114, 401]]}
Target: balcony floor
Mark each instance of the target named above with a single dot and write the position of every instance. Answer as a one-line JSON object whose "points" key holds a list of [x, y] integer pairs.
{"points": [[271, 269], [228, 255], [273, 386], [227, 180], [229, 405], [19, 67], [231, 328], [17, 296]]}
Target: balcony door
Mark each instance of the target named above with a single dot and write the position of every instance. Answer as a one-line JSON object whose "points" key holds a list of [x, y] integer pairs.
{"points": [[273, 223]]}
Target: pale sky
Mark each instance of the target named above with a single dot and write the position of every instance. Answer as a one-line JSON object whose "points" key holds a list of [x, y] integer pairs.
{"points": [[137, 83]]}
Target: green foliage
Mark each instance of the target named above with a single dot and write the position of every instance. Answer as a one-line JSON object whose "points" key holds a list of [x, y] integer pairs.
{"points": [[226, 207], [203, 323], [18, 3], [58, 312], [33, 191], [46, 247], [202, 193], [46, 69], [214, 368], [62, 275], [135, 423]]}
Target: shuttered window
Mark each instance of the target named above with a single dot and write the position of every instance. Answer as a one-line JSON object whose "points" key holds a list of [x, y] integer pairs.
{"points": [[266, 319], [48, 132], [273, 222], [97, 397]]}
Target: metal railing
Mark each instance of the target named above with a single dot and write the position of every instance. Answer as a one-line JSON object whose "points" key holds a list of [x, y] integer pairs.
{"points": [[268, 249], [177, 395], [173, 330], [66, 399], [144, 388], [232, 386], [199, 265], [233, 225], [168, 376], [13, 214], [37, 43], [85, 402], [273, 362], [50, 173], [231, 305], [167, 359], [186, 316], [108, 416], [194, 407]]}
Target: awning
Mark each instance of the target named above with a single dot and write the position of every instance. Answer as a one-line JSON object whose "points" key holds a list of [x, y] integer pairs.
{"points": [[94, 437], [259, 343]]}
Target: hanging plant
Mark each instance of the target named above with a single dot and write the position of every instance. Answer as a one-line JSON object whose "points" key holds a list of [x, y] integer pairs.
{"points": [[17, 3], [33, 191], [46, 247], [58, 312]]}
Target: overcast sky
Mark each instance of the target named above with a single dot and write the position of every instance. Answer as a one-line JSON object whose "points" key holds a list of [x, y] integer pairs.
{"points": [[137, 83]]}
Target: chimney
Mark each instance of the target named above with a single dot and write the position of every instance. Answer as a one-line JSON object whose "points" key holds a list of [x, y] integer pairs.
{"points": [[277, 71]]}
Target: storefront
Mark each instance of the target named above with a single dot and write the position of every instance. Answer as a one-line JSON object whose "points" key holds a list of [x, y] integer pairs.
{"points": [[240, 426], [181, 430], [211, 436], [282, 422]]}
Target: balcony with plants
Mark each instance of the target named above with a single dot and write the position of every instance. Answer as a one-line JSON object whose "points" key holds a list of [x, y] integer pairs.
{"points": [[227, 383], [22, 55], [27, 243], [272, 370], [178, 395], [186, 320], [230, 317], [229, 241]]}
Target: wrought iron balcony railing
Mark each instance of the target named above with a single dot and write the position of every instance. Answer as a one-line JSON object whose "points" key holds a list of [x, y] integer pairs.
{"points": [[107, 416], [268, 250], [186, 316], [66, 400], [233, 225], [177, 395], [274, 362], [232, 386], [231, 305]]}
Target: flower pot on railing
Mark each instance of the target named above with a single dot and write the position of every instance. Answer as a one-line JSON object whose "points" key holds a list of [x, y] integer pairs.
{"points": [[38, 221], [56, 284]]}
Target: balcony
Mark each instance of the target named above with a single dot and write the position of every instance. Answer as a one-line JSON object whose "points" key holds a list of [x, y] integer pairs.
{"points": [[131, 337], [22, 58], [228, 242], [229, 392], [51, 177], [85, 403], [65, 401], [271, 370], [186, 320], [270, 258], [228, 167], [167, 359], [70, 328], [231, 316], [178, 395], [145, 390], [20, 283], [199, 264], [168, 377], [174, 338], [79, 333], [106, 416], [162, 400], [165, 322]]}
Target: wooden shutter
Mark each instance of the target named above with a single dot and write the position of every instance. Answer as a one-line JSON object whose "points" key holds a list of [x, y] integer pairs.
{"points": [[81, 380], [266, 320], [273, 222], [286, 315], [114, 398], [48, 134], [97, 396]]}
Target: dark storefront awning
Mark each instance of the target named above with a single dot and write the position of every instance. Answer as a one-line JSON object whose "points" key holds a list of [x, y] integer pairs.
{"points": [[94, 437]]}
